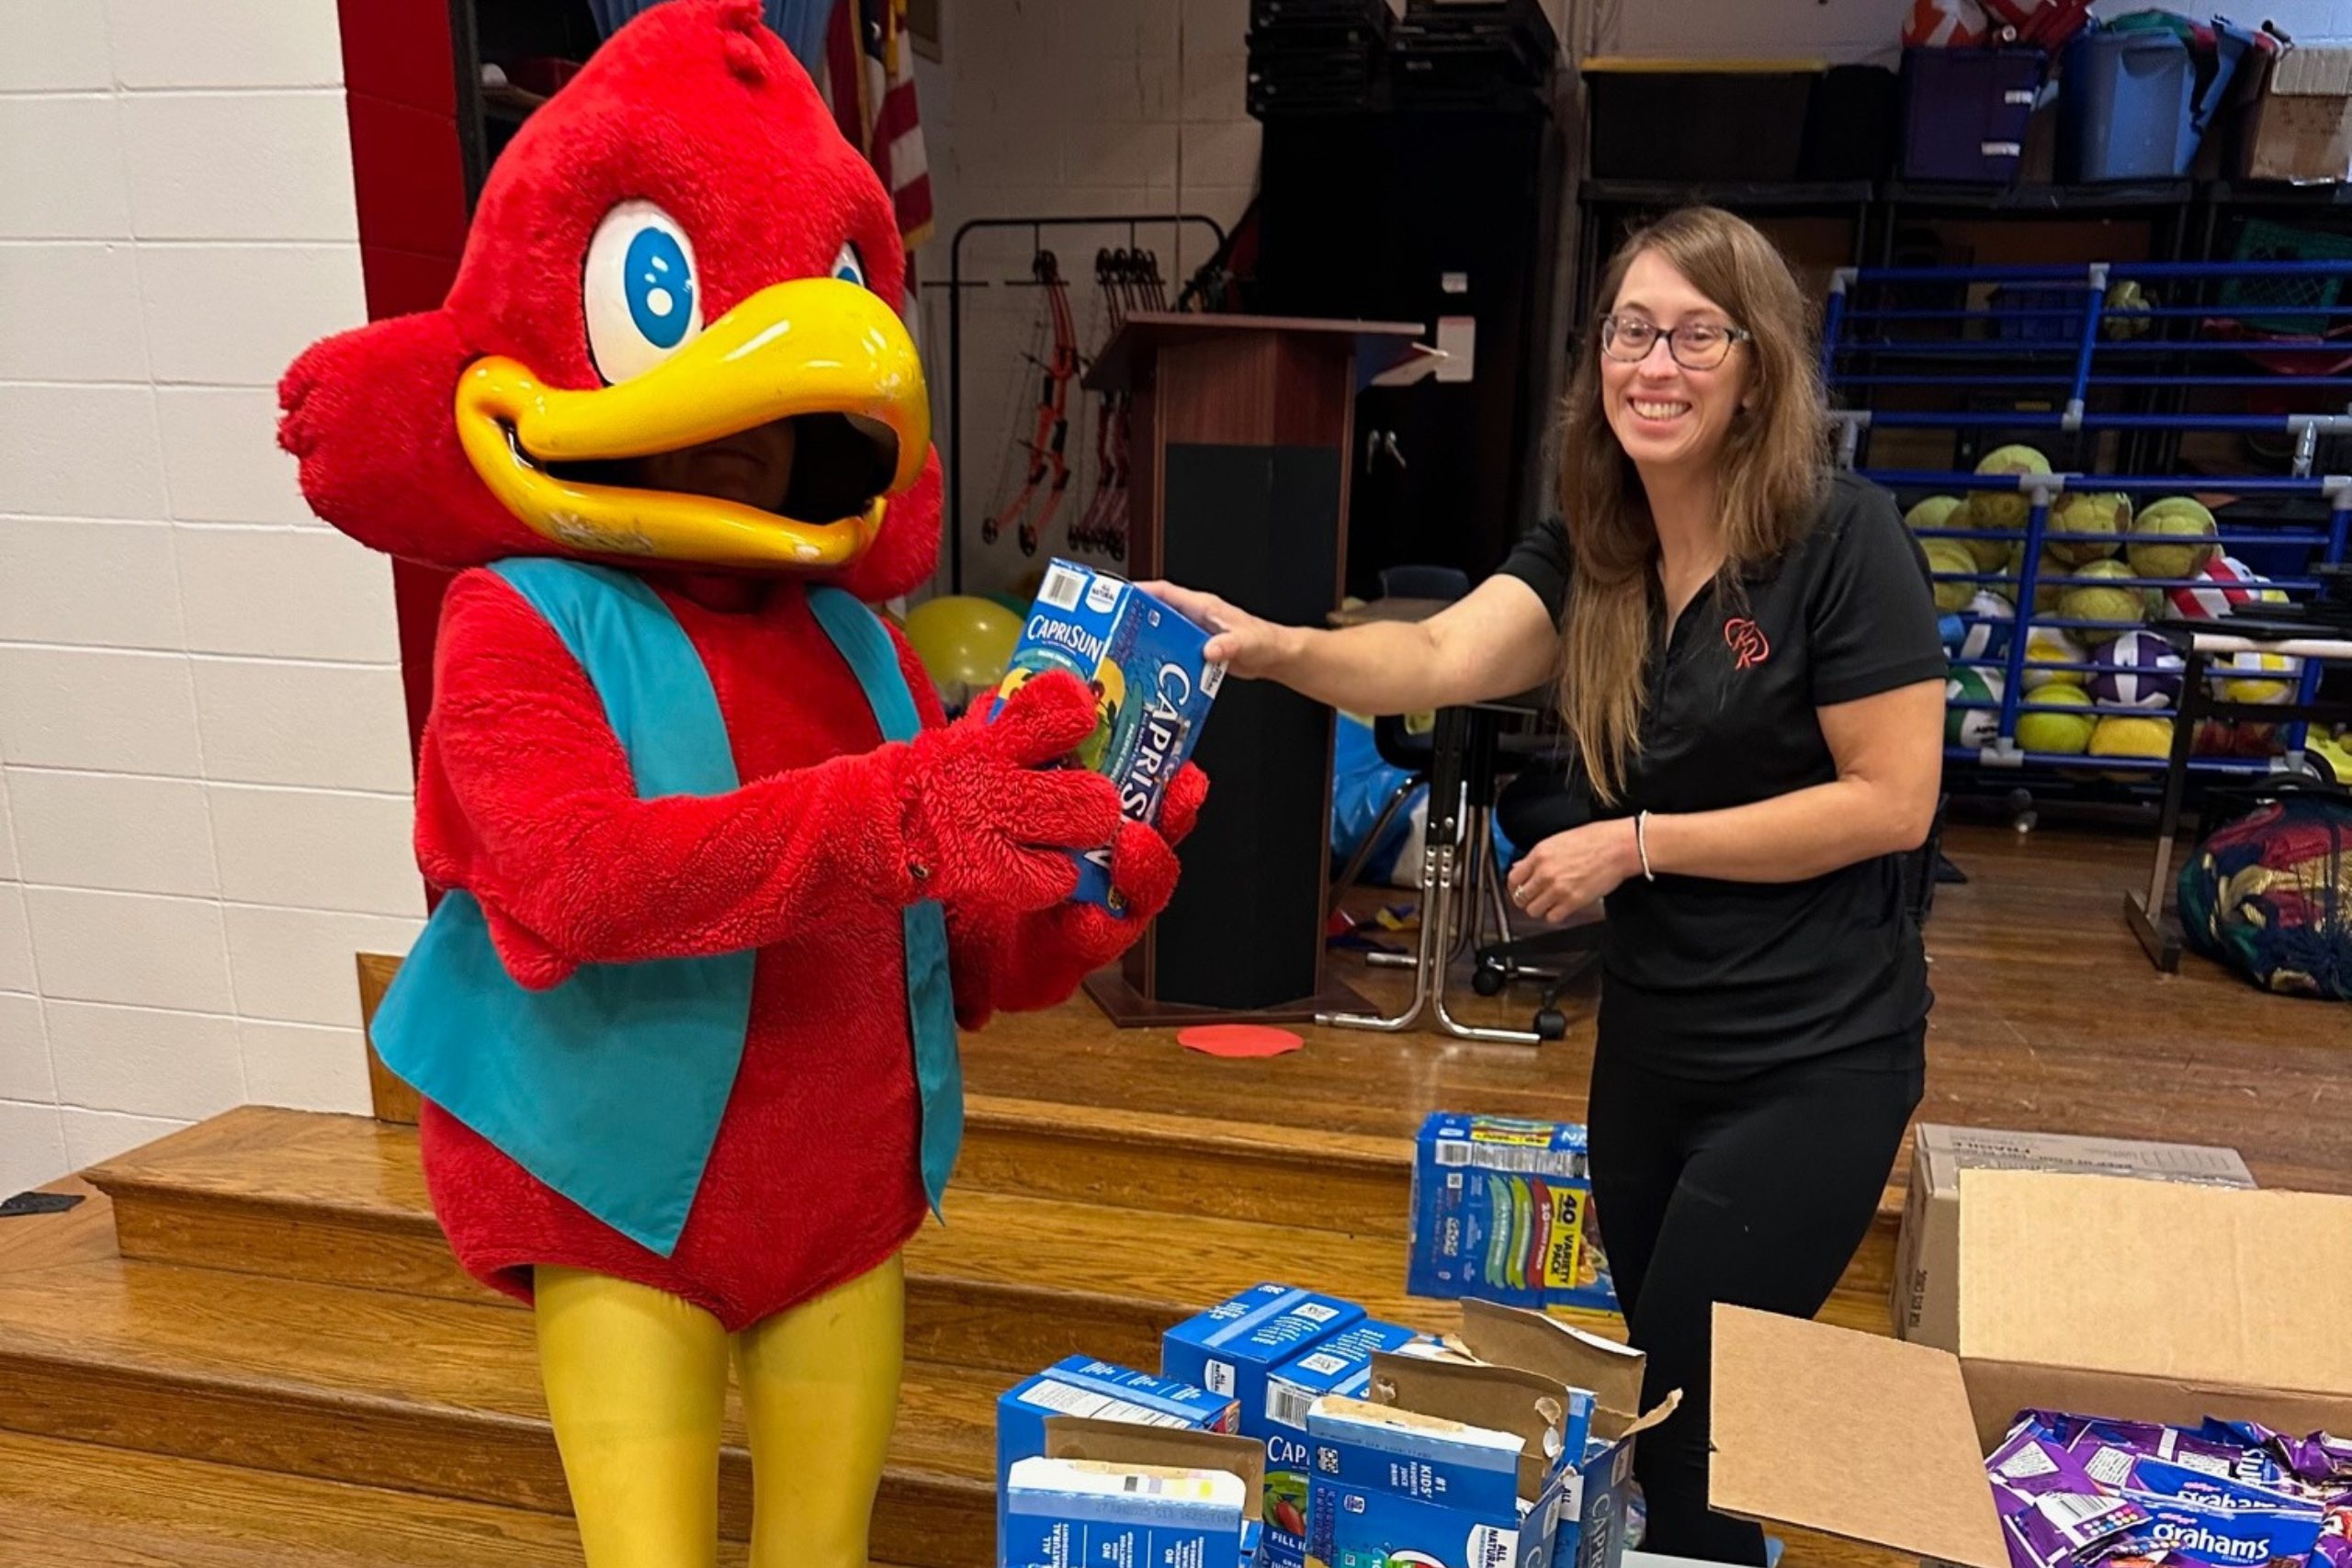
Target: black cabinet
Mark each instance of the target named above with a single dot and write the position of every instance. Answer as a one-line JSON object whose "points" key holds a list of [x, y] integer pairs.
{"points": [[1447, 217]]}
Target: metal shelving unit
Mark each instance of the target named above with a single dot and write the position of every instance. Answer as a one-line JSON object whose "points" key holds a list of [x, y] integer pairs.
{"points": [[2063, 370]]}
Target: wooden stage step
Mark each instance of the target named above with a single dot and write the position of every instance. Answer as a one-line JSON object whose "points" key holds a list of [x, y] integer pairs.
{"points": [[77, 1505], [1008, 1283], [403, 1392]]}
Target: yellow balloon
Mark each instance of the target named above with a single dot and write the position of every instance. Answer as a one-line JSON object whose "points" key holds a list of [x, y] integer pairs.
{"points": [[964, 642]]}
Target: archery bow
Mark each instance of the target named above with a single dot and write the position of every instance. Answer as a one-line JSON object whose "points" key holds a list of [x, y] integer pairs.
{"points": [[1051, 432]]}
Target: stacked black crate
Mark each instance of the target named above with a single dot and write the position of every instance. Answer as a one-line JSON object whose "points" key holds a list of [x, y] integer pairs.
{"points": [[1319, 56], [1473, 54]]}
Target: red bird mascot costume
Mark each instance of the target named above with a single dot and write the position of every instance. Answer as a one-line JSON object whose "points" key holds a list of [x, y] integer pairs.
{"points": [[717, 883]]}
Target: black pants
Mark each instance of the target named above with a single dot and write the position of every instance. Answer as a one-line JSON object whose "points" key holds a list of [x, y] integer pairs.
{"points": [[1755, 1191]]}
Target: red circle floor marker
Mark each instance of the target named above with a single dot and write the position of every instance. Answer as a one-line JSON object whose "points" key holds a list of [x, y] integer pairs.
{"points": [[1238, 1039]]}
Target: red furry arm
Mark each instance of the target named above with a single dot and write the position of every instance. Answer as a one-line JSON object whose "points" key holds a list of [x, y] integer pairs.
{"points": [[573, 868], [1023, 960]]}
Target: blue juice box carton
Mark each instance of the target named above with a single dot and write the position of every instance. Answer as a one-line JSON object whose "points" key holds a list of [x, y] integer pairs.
{"points": [[1502, 1211], [1339, 1366], [1099, 1391], [1151, 681], [1513, 1450], [1185, 1499], [1070, 1513], [1232, 1349]]}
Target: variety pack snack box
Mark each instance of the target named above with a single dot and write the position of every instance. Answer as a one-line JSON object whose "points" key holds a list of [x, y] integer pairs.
{"points": [[1502, 1210], [1152, 688]]}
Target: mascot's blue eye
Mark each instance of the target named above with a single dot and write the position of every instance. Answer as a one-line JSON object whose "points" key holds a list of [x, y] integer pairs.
{"points": [[849, 267], [640, 298], [660, 284]]}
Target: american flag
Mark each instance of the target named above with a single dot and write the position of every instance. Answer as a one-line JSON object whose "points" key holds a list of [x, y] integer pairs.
{"points": [[870, 64]]}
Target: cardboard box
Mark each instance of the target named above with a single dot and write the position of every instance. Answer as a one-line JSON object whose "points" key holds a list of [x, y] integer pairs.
{"points": [[1340, 1366], [1152, 688], [2301, 125], [1926, 1295], [1053, 1525], [1502, 1211], [1081, 1386], [2142, 1301], [1230, 1349], [1551, 1493]]}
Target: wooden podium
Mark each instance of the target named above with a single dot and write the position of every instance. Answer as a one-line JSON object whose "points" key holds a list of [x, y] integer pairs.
{"points": [[1239, 448]]}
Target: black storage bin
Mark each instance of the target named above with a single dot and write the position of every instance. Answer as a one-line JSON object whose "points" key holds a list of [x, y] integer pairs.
{"points": [[1965, 111], [1272, 15], [1850, 129], [1685, 120]]}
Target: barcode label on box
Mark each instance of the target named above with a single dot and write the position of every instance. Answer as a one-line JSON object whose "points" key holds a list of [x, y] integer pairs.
{"points": [[1563, 1163], [2069, 1513], [1062, 588], [1286, 1404], [1453, 1153]]}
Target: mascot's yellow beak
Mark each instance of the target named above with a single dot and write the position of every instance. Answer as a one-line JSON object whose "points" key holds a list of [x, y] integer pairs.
{"points": [[822, 353]]}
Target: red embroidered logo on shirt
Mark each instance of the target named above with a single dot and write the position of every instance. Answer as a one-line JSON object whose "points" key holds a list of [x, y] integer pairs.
{"points": [[1745, 639]]}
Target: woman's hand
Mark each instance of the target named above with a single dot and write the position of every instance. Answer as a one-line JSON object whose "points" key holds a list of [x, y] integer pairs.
{"points": [[1575, 870], [1245, 645]]}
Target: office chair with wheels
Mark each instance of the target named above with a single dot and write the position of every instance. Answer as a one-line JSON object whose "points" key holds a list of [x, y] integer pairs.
{"points": [[1546, 797], [1398, 746]]}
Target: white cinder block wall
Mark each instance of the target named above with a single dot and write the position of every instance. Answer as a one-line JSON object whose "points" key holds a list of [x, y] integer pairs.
{"points": [[204, 776], [1048, 107]]}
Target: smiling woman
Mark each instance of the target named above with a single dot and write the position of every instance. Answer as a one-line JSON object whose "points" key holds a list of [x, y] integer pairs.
{"points": [[1748, 662]]}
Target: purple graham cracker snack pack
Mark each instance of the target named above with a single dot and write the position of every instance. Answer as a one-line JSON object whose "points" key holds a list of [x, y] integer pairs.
{"points": [[1152, 686], [2074, 1490]]}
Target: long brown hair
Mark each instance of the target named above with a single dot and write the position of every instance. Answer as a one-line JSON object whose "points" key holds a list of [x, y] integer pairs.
{"points": [[1774, 470]]}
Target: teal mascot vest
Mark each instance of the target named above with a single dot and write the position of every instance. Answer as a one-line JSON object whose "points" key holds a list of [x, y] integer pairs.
{"points": [[609, 1088]]}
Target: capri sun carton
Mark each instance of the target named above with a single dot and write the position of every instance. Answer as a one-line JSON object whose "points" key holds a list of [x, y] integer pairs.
{"points": [[1108, 1493], [1152, 686], [1341, 1366], [1097, 1391], [1513, 1450]]}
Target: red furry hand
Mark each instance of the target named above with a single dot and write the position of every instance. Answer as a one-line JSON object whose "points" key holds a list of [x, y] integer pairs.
{"points": [[987, 820], [1143, 879]]}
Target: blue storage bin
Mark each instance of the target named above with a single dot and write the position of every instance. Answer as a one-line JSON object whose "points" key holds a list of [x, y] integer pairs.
{"points": [[2132, 104], [1964, 112], [2019, 314]]}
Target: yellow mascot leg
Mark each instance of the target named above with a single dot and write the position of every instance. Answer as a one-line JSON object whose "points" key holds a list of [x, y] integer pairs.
{"points": [[821, 1391], [635, 1382]]}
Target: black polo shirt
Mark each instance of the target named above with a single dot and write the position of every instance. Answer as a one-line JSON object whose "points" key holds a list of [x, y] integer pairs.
{"points": [[1719, 980]]}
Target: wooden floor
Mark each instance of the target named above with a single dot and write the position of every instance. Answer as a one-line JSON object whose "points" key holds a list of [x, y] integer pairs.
{"points": [[2048, 1017], [248, 1349]]}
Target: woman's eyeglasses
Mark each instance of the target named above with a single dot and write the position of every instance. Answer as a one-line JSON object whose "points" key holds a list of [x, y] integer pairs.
{"points": [[1696, 345]]}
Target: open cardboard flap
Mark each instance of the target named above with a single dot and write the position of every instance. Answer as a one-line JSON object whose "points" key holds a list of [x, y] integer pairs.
{"points": [[1498, 1399], [1853, 1436], [1117, 1442], [2153, 1302], [1566, 1356]]}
